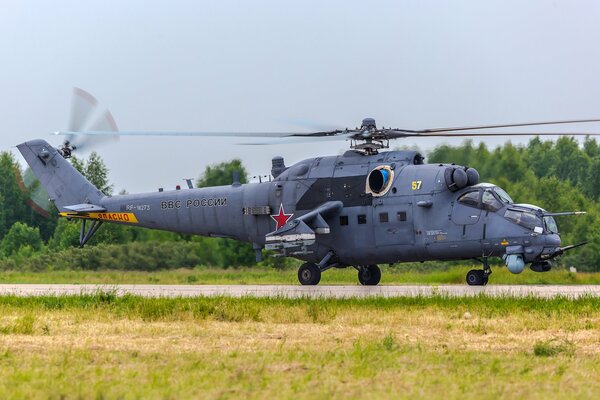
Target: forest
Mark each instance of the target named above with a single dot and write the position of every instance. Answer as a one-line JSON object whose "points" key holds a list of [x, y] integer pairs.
{"points": [[557, 175]]}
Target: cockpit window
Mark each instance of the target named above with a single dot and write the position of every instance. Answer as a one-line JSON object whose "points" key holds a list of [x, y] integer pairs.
{"points": [[503, 195], [490, 202], [550, 224], [524, 218], [470, 198]]}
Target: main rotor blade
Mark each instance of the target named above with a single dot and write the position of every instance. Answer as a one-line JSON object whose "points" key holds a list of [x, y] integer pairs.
{"points": [[294, 140], [312, 125], [469, 128], [216, 134], [401, 134]]}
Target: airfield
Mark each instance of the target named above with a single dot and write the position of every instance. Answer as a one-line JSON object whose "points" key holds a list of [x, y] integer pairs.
{"points": [[297, 291]]}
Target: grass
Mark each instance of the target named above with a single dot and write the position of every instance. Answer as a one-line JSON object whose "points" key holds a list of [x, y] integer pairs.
{"points": [[104, 346], [262, 275]]}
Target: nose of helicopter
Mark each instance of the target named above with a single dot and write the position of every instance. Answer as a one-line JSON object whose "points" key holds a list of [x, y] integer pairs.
{"points": [[552, 240]]}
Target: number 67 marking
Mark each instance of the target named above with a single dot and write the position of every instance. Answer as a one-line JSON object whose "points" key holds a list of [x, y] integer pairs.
{"points": [[415, 185]]}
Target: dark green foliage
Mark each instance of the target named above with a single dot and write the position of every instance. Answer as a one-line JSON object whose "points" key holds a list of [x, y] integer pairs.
{"points": [[12, 197], [142, 256], [20, 237], [222, 174], [13, 200], [95, 171]]}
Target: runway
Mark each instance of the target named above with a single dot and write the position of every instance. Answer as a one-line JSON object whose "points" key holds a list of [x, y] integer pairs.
{"points": [[291, 291]]}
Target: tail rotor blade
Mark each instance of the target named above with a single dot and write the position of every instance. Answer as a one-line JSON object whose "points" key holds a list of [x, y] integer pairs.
{"points": [[82, 108], [104, 123]]}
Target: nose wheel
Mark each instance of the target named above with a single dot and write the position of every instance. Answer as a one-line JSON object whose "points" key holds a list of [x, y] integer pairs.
{"points": [[479, 277], [369, 275], [476, 277]]}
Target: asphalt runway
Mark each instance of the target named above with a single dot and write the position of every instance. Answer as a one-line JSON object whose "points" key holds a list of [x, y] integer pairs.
{"points": [[291, 291]]}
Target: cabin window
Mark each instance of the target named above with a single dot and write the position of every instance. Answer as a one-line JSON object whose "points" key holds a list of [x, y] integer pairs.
{"points": [[402, 216], [383, 217], [362, 219], [343, 220], [470, 199]]}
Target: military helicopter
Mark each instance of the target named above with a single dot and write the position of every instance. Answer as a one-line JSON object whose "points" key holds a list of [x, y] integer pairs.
{"points": [[359, 209]]}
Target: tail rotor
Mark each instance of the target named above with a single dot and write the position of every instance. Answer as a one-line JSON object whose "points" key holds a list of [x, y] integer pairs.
{"points": [[86, 116]]}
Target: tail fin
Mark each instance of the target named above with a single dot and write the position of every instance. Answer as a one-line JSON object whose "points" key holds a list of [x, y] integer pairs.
{"points": [[64, 184]]}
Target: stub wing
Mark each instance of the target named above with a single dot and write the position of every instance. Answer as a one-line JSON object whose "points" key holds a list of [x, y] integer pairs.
{"points": [[301, 232]]}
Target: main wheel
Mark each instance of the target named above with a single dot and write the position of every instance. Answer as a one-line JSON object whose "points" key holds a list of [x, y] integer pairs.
{"points": [[309, 274], [369, 275], [476, 277]]}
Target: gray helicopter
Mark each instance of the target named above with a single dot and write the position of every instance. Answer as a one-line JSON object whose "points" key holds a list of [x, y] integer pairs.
{"points": [[359, 209]]}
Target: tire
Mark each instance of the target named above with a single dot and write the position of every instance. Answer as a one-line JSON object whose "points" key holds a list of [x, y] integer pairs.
{"points": [[309, 274], [369, 275], [476, 277]]}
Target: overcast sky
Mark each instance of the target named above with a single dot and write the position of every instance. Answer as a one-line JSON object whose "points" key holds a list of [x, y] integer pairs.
{"points": [[258, 65]]}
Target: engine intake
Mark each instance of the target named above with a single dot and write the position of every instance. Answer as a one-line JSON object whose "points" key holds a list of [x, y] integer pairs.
{"points": [[380, 180]]}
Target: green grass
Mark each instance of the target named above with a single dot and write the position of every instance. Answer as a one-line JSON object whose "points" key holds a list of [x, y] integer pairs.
{"points": [[105, 346], [262, 275]]}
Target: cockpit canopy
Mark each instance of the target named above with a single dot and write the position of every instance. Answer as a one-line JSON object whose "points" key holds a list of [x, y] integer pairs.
{"points": [[493, 198], [485, 196]]}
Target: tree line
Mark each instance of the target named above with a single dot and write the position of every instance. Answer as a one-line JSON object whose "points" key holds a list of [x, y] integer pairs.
{"points": [[29, 240], [557, 175]]}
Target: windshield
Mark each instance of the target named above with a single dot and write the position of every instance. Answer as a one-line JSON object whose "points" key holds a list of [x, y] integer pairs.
{"points": [[503, 195], [525, 219], [550, 224], [490, 202]]}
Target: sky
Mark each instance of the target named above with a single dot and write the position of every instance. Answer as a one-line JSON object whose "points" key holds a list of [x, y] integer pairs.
{"points": [[264, 65]]}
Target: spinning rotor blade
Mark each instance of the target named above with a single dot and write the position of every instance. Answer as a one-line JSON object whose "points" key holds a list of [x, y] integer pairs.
{"points": [[368, 132], [397, 135], [207, 134], [104, 123], [38, 199], [85, 116], [470, 128], [82, 107], [313, 125]]}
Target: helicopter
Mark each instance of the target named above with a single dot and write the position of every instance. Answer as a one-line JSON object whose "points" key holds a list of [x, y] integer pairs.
{"points": [[360, 209]]}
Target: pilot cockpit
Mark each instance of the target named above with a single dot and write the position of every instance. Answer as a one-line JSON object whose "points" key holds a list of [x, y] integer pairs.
{"points": [[485, 196], [492, 198]]}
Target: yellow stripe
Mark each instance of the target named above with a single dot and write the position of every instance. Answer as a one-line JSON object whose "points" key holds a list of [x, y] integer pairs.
{"points": [[103, 216]]}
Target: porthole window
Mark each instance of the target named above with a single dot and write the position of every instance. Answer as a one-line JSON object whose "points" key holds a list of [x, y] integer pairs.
{"points": [[379, 180], [362, 219]]}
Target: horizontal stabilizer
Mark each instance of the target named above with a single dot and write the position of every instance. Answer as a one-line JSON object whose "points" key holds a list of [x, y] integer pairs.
{"points": [[85, 208]]}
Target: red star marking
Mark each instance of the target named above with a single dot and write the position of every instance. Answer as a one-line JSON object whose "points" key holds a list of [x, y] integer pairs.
{"points": [[281, 218]]}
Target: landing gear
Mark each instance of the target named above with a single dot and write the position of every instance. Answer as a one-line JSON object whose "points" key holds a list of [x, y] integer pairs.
{"points": [[369, 275], [479, 277], [309, 274], [476, 277]]}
